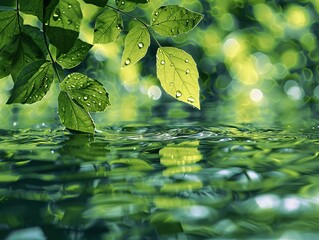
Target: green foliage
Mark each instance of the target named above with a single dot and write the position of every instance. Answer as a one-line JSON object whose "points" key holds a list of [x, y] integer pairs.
{"points": [[62, 26], [128, 5], [178, 74], [75, 55], [73, 116], [34, 55], [8, 27], [108, 27], [174, 20], [33, 83], [99, 3], [136, 45], [86, 92]]}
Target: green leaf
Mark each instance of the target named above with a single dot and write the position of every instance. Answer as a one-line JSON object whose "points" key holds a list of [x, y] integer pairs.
{"points": [[75, 55], [6, 58], [86, 92], [173, 20], [8, 27], [178, 75], [29, 47], [32, 7], [73, 116], [136, 45], [108, 27], [128, 5], [99, 3], [62, 26], [33, 83]]}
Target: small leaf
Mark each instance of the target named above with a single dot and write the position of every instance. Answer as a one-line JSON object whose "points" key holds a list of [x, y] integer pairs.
{"points": [[178, 74], [8, 27], [62, 26], [108, 27], [136, 45], [173, 20], [128, 5], [32, 7], [33, 83], [86, 92], [73, 116], [75, 55], [99, 3]]}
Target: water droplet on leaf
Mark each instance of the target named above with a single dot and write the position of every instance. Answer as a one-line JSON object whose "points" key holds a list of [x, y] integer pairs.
{"points": [[162, 62], [56, 14], [187, 71], [191, 99], [127, 61], [85, 98], [178, 94], [186, 60], [140, 45]]}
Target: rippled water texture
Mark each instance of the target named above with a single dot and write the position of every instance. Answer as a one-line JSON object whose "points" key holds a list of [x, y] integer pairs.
{"points": [[220, 182]]}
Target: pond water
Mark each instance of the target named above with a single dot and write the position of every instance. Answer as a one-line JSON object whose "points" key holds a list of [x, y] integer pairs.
{"points": [[155, 182]]}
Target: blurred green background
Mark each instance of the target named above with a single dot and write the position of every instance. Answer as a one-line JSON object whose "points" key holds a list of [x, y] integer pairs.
{"points": [[258, 63]]}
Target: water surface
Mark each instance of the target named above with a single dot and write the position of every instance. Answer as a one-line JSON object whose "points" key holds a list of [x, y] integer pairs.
{"points": [[155, 182]]}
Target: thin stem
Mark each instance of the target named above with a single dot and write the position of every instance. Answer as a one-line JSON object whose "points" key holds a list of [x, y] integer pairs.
{"points": [[126, 14], [18, 15], [48, 48], [145, 24]]}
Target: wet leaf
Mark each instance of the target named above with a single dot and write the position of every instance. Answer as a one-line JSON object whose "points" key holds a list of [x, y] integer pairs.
{"points": [[108, 27], [88, 93], [62, 26], [173, 20], [32, 7], [73, 116], [136, 45], [8, 27], [128, 5], [178, 74], [75, 55], [99, 3], [33, 83]]}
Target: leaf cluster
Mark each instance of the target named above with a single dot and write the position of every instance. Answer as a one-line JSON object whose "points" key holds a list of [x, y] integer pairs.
{"points": [[33, 55]]}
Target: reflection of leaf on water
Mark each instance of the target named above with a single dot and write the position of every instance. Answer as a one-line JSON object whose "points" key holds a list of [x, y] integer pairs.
{"points": [[180, 158]]}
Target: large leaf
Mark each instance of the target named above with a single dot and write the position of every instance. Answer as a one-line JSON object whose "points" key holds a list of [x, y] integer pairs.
{"points": [[32, 7], [173, 20], [29, 47], [136, 45], [99, 3], [8, 27], [128, 5], [75, 55], [108, 27], [178, 74], [62, 26], [86, 92], [73, 116], [33, 83]]}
